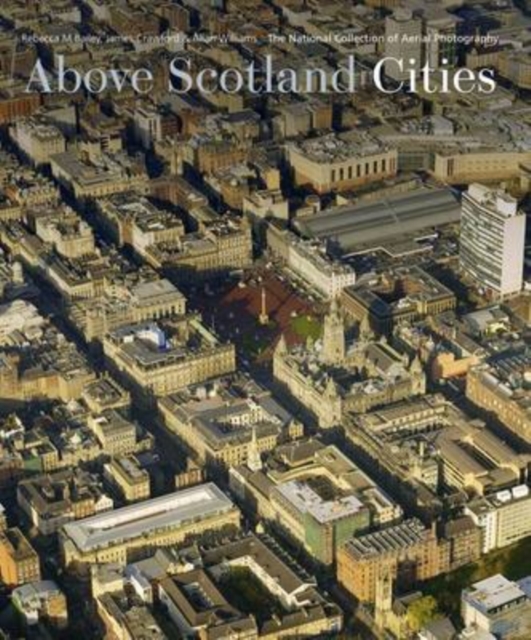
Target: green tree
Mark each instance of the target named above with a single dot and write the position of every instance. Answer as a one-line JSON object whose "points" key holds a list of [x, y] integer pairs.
{"points": [[422, 611]]}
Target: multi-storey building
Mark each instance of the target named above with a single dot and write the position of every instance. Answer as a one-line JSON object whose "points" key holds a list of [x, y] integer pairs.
{"points": [[398, 296], [134, 531], [99, 176], [331, 162], [162, 363], [115, 432], [15, 103], [403, 41], [54, 499], [409, 551], [487, 163], [515, 66], [135, 221], [127, 477], [266, 203], [46, 366], [38, 139], [178, 596], [122, 618], [105, 393], [69, 234], [203, 591], [152, 125], [224, 420], [309, 261], [499, 387], [503, 517], [19, 562], [303, 611], [492, 240], [425, 445], [126, 304], [314, 495], [214, 250], [41, 601], [332, 381], [497, 607], [440, 42]]}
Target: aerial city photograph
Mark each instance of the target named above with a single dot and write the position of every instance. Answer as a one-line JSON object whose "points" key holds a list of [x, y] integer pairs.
{"points": [[265, 319]]}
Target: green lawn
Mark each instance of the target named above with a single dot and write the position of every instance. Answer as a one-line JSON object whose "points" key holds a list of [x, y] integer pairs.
{"points": [[513, 562], [306, 326]]}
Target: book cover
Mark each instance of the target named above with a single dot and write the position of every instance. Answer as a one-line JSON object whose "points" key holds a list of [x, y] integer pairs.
{"points": [[265, 361]]}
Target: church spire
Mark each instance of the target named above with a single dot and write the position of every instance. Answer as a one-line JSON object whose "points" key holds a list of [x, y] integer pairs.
{"points": [[364, 329], [383, 597], [254, 460], [334, 336], [331, 388], [416, 364], [281, 347]]}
